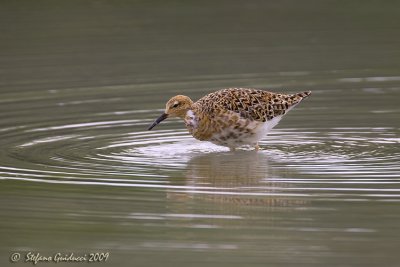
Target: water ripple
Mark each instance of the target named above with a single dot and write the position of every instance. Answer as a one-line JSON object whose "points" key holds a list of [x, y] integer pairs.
{"points": [[322, 163]]}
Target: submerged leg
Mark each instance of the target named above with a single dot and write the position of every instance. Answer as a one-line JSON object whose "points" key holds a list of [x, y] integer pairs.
{"points": [[257, 147], [232, 149]]}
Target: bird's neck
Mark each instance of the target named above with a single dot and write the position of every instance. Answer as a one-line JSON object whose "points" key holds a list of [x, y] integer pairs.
{"points": [[182, 114]]}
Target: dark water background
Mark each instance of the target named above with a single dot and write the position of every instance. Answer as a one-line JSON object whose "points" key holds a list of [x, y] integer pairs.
{"points": [[80, 81]]}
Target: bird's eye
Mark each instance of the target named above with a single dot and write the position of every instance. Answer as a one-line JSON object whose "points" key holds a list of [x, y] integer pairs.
{"points": [[175, 105]]}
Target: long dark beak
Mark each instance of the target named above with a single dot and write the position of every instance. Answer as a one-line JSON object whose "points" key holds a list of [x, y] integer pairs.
{"points": [[158, 120]]}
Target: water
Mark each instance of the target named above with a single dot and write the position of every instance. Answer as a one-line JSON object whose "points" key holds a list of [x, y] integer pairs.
{"points": [[80, 83]]}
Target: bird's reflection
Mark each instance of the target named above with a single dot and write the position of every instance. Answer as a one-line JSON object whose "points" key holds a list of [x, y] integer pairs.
{"points": [[230, 169], [241, 177]]}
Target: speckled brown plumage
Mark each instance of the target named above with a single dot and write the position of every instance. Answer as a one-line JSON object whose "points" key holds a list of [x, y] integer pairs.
{"points": [[252, 104], [232, 117]]}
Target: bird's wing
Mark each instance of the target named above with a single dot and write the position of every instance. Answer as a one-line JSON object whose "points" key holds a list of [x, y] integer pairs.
{"points": [[251, 104]]}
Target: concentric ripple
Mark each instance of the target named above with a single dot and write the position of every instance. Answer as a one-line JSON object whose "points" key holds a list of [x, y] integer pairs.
{"points": [[323, 163]]}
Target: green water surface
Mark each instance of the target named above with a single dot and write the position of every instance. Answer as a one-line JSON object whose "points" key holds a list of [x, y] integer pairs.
{"points": [[80, 81]]}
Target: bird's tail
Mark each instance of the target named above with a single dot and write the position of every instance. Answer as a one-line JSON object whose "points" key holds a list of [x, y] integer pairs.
{"points": [[297, 98], [303, 94]]}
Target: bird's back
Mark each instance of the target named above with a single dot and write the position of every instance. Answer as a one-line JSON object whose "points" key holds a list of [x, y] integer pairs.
{"points": [[252, 104]]}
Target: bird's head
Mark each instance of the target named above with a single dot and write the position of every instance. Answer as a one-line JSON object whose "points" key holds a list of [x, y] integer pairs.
{"points": [[177, 106]]}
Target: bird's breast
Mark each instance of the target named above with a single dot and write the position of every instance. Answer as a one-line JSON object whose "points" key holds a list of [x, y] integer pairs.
{"points": [[191, 120]]}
